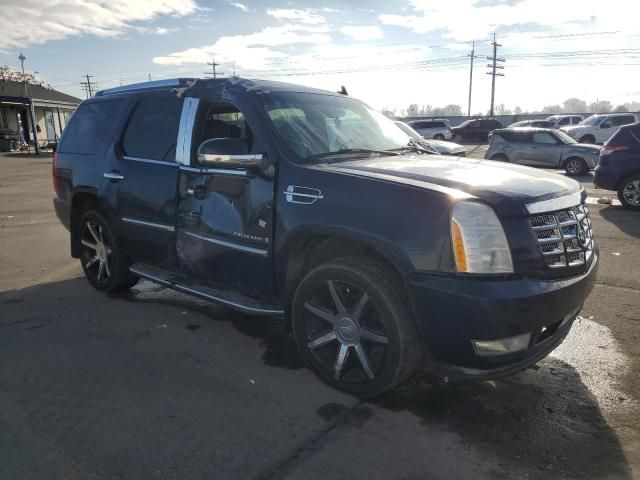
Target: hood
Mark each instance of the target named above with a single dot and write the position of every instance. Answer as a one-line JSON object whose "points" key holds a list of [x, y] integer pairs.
{"points": [[444, 146], [506, 187]]}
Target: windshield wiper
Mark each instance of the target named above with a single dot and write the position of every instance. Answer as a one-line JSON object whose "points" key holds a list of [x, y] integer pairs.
{"points": [[350, 151], [413, 146]]}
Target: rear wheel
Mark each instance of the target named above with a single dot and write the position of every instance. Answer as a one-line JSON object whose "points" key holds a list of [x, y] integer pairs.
{"points": [[500, 158], [587, 139], [439, 136], [103, 263], [629, 193], [575, 166], [353, 328]]}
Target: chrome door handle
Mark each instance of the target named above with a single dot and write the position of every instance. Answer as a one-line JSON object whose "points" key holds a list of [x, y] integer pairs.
{"points": [[113, 176]]}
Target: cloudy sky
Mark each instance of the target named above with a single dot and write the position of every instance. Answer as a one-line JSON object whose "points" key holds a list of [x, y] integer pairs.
{"points": [[389, 54]]}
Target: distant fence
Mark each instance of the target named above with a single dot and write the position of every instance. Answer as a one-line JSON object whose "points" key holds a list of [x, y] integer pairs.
{"points": [[505, 120]]}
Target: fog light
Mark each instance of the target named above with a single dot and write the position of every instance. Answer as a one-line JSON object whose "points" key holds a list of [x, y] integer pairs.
{"points": [[501, 346]]}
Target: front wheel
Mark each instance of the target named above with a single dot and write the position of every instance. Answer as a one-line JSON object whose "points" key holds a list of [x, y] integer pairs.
{"points": [[629, 193], [575, 166], [103, 263], [353, 328]]}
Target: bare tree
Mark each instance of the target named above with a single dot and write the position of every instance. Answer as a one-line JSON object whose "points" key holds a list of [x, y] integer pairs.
{"points": [[8, 74], [601, 106]]}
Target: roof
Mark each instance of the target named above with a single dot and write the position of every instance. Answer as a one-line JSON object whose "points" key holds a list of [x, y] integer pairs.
{"points": [[9, 88], [248, 85]]}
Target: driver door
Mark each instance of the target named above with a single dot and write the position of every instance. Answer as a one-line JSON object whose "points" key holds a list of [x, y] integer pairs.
{"points": [[225, 215]]}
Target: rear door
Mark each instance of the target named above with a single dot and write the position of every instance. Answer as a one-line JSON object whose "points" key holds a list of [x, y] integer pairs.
{"points": [[145, 173]]}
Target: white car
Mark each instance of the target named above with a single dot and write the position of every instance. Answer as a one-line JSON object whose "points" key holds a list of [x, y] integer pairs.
{"points": [[599, 128], [439, 129], [560, 121]]}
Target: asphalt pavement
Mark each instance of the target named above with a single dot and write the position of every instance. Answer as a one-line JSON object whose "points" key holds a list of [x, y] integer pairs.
{"points": [[152, 384]]}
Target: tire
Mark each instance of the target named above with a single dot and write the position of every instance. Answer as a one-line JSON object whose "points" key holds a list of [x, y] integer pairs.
{"points": [[498, 157], [587, 139], [575, 166], [629, 193], [370, 347], [103, 263], [439, 136]]}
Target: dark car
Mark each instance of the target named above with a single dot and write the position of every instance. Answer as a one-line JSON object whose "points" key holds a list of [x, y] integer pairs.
{"points": [[8, 139], [277, 199], [619, 166], [477, 129]]}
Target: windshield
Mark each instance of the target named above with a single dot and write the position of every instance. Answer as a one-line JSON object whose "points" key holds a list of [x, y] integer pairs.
{"points": [[563, 137], [315, 125], [465, 123], [408, 130], [592, 120]]}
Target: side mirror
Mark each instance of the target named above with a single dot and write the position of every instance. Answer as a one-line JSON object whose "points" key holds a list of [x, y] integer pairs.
{"points": [[228, 153]]}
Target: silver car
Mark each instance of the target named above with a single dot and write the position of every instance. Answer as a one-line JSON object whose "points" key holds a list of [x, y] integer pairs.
{"points": [[542, 147], [440, 147], [438, 129]]}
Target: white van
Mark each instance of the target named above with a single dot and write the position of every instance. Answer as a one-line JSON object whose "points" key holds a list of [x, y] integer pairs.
{"points": [[599, 128]]}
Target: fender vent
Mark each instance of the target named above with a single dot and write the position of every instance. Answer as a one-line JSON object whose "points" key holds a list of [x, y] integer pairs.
{"points": [[303, 195]]}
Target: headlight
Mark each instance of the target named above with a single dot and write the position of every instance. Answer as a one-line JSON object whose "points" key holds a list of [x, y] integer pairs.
{"points": [[478, 240]]}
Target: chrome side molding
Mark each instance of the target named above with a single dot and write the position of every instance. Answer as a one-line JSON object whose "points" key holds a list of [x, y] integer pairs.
{"points": [[145, 223], [235, 246]]}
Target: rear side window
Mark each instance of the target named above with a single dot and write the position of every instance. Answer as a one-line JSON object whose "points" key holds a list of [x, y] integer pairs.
{"points": [[622, 120], [515, 137], [90, 127], [438, 125], [152, 131], [565, 121]]}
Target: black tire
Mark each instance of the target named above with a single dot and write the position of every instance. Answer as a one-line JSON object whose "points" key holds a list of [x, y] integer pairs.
{"points": [[103, 263], [439, 136], [382, 329], [629, 193], [587, 139], [575, 166], [498, 157]]}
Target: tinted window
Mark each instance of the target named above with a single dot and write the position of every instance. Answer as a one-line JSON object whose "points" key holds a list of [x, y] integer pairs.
{"points": [[565, 121], [515, 137], [622, 120], [544, 137], [576, 120], [90, 127], [438, 125], [152, 131], [542, 124]]}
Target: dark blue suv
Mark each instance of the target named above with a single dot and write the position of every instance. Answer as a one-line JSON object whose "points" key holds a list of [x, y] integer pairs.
{"points": [[277, 199], [619, 166]]}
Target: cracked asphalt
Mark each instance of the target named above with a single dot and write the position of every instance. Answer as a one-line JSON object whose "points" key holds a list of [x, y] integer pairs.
{"points": [[152, 384]]}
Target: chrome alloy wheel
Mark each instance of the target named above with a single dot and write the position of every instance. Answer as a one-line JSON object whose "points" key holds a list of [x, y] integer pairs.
{"points": [[348, 338], [574, 166], [96, 252], [631, 192]]}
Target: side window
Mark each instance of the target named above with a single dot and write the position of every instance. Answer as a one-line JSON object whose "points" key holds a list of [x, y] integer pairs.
{"points": [[545, 138], [475, 124], [438, 125], [152, 131], [90, 127], [624, 120], [223, 120], [4, 122], [565, 121], [576, 120]]}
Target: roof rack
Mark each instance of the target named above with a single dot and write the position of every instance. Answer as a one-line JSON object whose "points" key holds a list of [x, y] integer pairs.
{"points": [[153, 85]]}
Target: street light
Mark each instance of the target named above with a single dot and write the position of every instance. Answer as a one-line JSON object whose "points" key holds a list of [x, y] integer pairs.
{"points": [[32, 112]]}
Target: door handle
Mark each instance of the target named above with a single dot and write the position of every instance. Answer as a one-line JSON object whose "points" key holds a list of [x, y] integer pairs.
{"points": [[113, 175], [199, 192]]}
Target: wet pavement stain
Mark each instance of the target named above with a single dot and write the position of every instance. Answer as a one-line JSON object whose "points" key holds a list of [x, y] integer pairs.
{"points": [[193, 327], [279, 347], [331, 411]]}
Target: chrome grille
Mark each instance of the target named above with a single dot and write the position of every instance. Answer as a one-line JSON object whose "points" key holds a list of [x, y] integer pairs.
{"points": [[565, 237]]}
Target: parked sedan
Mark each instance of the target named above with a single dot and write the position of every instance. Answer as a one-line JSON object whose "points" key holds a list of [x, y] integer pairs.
{"points": [[424, 143], [480, 128], [619, 166], [438, 129], [542, 147]]}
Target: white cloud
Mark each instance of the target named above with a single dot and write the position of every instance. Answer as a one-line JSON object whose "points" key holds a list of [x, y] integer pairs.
{"points": [[253, 51], [307, 15], [464, 20], [28, 22], [239, 5], [364, 32]]}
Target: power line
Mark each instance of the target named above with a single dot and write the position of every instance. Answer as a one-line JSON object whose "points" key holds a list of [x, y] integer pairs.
{"points": [[494, 66], [87, 86]]}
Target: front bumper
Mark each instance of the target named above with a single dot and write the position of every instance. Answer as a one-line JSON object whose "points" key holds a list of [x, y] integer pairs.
{"points": [[453, 311]]}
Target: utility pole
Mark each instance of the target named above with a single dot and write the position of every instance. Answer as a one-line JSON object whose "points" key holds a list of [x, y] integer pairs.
{"points": [[494, 66], [149, 77], [86, 86], [472, 55], [213, 66], [32, 110]]}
